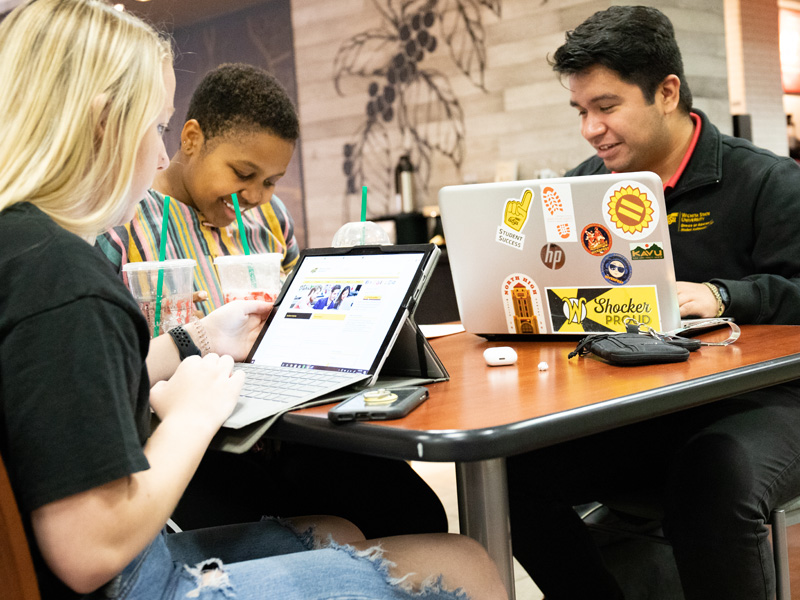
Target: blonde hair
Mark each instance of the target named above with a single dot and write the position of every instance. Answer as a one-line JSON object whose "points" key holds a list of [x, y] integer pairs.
{"points": [[82, 82]]}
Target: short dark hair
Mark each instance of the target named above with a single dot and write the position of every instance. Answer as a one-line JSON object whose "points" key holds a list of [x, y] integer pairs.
{"points": [[637, 42], [241, 96]]}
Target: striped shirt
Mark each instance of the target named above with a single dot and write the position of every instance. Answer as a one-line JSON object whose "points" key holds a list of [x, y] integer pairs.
{"points": [[269, 228]]}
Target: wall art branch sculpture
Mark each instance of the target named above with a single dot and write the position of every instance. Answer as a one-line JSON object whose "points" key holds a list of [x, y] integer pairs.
{"points": [[407, 100]]}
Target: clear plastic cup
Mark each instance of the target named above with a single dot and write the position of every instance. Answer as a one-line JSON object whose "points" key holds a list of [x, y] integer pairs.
{"points": [[250, 277], [360, 233], [177, 307]]}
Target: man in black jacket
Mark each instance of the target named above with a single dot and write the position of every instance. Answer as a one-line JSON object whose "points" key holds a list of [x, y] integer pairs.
{"points": [[733, 213]]}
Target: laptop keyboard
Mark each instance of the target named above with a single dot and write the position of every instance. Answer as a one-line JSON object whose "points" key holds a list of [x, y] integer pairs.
{"points": [[282, 384]]}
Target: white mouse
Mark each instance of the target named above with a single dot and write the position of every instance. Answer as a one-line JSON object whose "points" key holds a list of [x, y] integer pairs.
{"points": [[501, 355]]}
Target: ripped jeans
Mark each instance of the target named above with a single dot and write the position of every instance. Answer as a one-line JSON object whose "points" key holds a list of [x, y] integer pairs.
{"points": [[251, 561]]}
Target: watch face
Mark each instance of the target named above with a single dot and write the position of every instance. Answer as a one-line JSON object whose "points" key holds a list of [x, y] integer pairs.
{"points": [[723, 293]]}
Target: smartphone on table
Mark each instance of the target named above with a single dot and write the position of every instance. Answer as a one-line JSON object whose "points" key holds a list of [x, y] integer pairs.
{"points": [[378, 404]]}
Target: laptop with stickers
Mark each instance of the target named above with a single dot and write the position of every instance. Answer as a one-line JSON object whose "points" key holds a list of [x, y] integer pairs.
{"points": [[571, 255]]}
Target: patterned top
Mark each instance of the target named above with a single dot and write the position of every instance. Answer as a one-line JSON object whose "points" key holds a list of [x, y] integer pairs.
{"points": [[269, 228]]}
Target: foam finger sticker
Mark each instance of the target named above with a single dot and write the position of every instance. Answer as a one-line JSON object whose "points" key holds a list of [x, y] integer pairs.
{"points": [[515, 215]]}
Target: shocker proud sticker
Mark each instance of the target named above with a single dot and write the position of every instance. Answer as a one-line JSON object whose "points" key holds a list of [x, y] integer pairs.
{"points": [[631, 210], [599, 309]]}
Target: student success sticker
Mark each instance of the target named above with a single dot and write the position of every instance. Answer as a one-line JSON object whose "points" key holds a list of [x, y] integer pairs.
{"points": [[515, 215], [631, 210]]}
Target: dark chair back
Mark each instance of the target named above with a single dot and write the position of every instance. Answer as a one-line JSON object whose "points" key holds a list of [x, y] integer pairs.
{"points": [[16, 567]]}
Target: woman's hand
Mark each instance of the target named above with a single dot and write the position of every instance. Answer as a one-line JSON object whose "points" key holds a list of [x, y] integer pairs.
{"points": [[233, 328], [90, 536], [203, 391]]}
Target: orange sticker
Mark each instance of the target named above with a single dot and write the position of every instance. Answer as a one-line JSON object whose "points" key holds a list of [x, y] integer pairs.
{"points": [[596, 239], [558, 213], [632, 210], [523, 304]]}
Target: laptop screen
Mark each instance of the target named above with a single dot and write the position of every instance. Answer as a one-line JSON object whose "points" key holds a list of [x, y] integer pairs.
{"points": [[339, 311]]}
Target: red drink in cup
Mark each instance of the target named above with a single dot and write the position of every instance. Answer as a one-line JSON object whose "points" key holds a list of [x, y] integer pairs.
{"points": [[265, 295], [176, 303], [174, 311], [250, 277]]}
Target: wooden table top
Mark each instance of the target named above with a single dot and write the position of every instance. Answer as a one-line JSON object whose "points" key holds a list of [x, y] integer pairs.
{"points": [[485, 412]]}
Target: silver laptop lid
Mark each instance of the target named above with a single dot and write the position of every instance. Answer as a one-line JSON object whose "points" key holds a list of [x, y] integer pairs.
{"points": [[561, 256]]}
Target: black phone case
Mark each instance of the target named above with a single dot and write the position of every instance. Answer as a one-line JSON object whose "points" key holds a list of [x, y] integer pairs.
{"points": [[355, 409]]}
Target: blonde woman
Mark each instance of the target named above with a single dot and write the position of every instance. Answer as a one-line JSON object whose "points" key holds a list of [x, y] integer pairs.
{"points": [[87, 93]]}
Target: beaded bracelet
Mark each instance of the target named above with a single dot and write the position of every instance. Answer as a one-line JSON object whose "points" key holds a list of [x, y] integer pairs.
{"points": [[205, 345]]}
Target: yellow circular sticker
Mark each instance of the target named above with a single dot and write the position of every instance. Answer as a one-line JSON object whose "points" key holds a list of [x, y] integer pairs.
{"points": [[632, 210]]}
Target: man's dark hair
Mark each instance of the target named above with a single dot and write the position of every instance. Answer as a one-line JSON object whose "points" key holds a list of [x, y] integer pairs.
{"points": [[637, 42], [240, 96]]}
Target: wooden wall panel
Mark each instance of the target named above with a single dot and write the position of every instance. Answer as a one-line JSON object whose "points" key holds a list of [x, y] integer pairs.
{"points": [[260, 35], [521, 113]]}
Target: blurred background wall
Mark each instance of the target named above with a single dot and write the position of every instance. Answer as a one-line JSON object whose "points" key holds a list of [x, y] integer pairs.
{"points": [[462, 87]]}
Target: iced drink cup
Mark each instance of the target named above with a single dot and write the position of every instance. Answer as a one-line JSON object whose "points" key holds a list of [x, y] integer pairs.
{"points": [[250, 277], [176, 291]]}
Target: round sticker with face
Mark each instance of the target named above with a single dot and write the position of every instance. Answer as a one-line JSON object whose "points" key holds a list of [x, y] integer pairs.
{"points": [[616, 269]]}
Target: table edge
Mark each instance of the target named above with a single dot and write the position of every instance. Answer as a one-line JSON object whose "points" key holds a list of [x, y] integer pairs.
{"points": [[522, 436]]}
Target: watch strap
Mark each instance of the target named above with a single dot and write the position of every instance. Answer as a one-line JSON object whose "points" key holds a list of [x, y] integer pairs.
{"points": [[182, 339]]}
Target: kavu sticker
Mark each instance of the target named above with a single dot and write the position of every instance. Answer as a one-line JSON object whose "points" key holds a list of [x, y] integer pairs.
{"points": [[648, 251]]}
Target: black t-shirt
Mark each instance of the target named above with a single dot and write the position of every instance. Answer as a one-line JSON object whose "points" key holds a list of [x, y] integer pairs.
{"points": [[74, 389]]}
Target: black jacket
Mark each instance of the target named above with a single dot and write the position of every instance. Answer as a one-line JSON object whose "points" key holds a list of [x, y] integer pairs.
{"points": [[734, 218]]}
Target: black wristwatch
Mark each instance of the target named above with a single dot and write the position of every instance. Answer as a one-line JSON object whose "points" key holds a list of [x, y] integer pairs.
{"points": [[186, 347]]}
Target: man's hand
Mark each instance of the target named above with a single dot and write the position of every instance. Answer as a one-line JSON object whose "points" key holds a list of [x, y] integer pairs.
{"points": [[696, 300]]}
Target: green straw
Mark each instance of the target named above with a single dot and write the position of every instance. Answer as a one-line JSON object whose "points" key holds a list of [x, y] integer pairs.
{"points": [[363, 210], [245, 245], [162, 251]]}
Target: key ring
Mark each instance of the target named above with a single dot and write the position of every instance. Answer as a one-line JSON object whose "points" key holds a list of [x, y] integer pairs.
{"points": [[633, 324]]}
